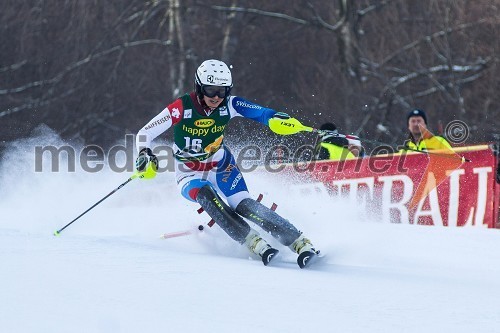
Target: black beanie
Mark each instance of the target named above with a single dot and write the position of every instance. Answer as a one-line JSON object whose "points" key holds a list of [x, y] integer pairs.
{"points": [[416, 113], [328, 127]]}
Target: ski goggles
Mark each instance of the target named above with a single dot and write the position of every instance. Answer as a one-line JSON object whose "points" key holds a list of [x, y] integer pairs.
{"points": [[212, 91]]}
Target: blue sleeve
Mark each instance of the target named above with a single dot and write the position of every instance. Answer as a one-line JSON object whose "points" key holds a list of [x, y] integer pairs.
{"points": [[251, 110]]}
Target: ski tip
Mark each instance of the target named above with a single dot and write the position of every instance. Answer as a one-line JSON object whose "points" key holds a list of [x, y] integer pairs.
{"points": [[269, 255], [56, 233], [307, 258]]}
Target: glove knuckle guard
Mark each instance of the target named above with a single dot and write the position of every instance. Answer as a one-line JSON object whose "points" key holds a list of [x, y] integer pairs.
{"points": [[281, 115], [145, 157]]}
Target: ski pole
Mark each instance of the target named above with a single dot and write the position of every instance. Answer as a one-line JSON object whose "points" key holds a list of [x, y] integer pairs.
{"points": [[452, 156], [455, 156], [293, 126], [136, 175]]}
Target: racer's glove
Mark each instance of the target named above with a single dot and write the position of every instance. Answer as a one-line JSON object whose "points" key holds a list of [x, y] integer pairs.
{"points": [[145, 159], [353, 140], [354, 145], [281, 123], [281, 115]]}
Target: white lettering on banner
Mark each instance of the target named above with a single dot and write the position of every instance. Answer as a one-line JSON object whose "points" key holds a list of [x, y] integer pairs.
{"points": [[470, 217], [353, 193], [433, 212], [359, 192], [477, 219], [317, 188], [454, 196], [388, 205], [465, 199], [482, 193]]}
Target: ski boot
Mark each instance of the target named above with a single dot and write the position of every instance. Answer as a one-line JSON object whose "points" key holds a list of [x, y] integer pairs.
{"points": [[306, 251], [259, 246]]}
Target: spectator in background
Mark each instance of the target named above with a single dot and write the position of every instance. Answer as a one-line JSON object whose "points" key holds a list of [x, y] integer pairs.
{"points": [[420, 138], [334, 146]]}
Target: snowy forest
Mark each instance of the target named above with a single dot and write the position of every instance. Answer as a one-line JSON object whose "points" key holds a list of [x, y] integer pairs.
{"points": [[94, 71]]}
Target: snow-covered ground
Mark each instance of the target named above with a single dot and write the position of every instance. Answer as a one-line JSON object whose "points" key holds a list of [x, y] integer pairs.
{"points": [[110, 271]]}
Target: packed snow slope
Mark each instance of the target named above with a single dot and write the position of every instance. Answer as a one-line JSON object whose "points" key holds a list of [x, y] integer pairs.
{"points": [[111, 272]]}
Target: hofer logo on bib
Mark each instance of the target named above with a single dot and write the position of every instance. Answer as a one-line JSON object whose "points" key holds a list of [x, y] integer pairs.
{"points": [[204, 123]]}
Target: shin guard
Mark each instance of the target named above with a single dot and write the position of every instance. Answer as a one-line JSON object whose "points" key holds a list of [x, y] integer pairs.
{"points": [[222, 214], [268, 220]]}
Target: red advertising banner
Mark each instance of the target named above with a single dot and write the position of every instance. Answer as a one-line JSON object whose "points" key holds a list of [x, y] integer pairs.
{"points": [[417, 188]]}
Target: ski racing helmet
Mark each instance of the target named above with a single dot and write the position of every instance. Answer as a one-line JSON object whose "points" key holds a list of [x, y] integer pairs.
{"points": [[213, 77]]}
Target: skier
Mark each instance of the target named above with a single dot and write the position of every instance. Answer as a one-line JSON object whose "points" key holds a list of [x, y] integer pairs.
{"points": [[206, 170]]}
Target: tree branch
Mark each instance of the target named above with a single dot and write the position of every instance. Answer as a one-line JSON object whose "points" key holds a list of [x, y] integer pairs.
{"points": [[82, 62], [428, 38], [13, 67], [261, 12]]}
